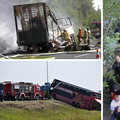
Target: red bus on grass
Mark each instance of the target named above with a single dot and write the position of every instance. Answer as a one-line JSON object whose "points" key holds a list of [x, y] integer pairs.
{"points": [[77, 96]]}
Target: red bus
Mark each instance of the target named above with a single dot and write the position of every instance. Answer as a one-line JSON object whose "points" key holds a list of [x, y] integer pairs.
{"points": [[96, 29], [21, 91], [77, 96]]}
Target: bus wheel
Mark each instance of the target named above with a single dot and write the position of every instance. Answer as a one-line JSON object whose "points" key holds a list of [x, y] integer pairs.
{"points": [[78, 105], [73, 103], [54, 96], [22, 97]]}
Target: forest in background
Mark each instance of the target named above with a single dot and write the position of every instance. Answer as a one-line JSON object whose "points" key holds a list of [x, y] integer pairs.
{"points": [[81, 12]]}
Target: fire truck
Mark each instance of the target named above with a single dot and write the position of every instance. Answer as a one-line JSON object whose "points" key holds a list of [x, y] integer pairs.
{"points": [[21, 91], [96, 29]]}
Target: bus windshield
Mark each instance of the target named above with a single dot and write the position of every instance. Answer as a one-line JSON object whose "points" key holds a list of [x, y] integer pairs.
{"points": [[97, 95]]}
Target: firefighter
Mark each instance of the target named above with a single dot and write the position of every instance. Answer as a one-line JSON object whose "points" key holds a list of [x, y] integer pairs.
{"points": [[1, 95], [88, 32], [79, 35], [66, 36], [85, 36]]}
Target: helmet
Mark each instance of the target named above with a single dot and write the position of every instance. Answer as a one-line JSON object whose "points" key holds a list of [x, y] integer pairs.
{"points": [[79, 28], [85, 29]]}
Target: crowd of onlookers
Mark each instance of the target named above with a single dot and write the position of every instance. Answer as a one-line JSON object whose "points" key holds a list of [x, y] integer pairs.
{"points": [[113, 80]]}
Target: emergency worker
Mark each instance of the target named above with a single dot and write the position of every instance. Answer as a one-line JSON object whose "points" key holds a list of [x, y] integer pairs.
{"points": [[88, 31], [66, 36], [79, 35], [1, 95], [85, 36]]}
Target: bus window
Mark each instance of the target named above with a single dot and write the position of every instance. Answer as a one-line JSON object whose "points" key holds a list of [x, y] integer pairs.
{"points": [[97, 95]]}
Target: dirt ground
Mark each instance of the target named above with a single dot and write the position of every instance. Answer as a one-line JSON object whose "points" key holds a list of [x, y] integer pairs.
{"points": [[31, 105], [106, 106]]}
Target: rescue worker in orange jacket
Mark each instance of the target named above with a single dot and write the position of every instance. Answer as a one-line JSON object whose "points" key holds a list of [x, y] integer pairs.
{"points": [[66, 36], [79, 35]]}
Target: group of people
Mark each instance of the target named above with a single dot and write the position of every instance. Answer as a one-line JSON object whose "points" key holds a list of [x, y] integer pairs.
{"points": [[114, 88], [85, 37]]}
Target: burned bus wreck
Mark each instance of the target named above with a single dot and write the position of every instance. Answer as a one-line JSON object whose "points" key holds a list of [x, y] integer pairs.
{"points": [[38, 29]]}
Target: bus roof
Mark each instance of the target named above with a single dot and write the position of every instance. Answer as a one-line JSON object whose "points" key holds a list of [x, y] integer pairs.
{"points": [[74, 85]]}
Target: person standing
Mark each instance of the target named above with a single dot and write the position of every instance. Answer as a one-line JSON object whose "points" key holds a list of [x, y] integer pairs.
{"points": [[85, 36], [79, 35], [115, 102], [1, 95], [88, 32], [116, 114]]}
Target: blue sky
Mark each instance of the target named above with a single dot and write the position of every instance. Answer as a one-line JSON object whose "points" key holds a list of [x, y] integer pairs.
{"points": [[86, 74]]}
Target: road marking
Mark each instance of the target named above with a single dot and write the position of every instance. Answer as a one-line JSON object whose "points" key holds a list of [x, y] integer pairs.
{"points": [[81, 55]]}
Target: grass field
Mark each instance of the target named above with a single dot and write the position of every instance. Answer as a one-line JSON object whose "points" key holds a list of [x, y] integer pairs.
{"points": [[44, 110]]}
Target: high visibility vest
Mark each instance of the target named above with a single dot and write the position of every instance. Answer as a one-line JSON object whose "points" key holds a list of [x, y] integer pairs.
{"points": [[65, 34], [80, 32]]}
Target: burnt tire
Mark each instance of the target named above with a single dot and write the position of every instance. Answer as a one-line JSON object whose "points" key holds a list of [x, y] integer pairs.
{"points": [[78, 105], [54, 96], [22, 97], [73, 103]]}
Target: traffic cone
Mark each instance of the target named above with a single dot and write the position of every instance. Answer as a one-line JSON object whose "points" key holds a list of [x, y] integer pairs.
{"points": [[97, 55]]}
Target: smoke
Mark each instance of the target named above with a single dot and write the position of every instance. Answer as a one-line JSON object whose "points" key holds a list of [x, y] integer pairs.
{"points": [[8, 35]]}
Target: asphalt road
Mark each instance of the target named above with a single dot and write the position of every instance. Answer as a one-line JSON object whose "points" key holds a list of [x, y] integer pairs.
{"points": [[86, 55]]}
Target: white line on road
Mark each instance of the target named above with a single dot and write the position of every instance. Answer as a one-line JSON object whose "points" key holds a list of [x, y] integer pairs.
{"points": [[81, 55]]}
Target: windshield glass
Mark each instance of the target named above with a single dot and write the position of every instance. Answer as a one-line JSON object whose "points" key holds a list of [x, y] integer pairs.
{"points": [[96, 25], [97, 95]]}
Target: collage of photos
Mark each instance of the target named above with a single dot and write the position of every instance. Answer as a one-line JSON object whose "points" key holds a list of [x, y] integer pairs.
{"points": [[57, 61], [111, 60]]}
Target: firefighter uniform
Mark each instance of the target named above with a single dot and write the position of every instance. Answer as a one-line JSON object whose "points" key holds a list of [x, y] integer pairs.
{"points": [[79, 35], [85, 36], [66, 36]]}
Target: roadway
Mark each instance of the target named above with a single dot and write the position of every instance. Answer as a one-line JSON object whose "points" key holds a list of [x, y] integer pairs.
{"points": [[85, 54]]}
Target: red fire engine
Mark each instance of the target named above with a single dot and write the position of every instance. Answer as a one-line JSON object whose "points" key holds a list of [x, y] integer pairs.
{"points": [[96, 29], [21, 91]]}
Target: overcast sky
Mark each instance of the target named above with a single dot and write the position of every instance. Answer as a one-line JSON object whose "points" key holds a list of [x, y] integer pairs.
{"points": [[96, 3], [86, 74]]}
